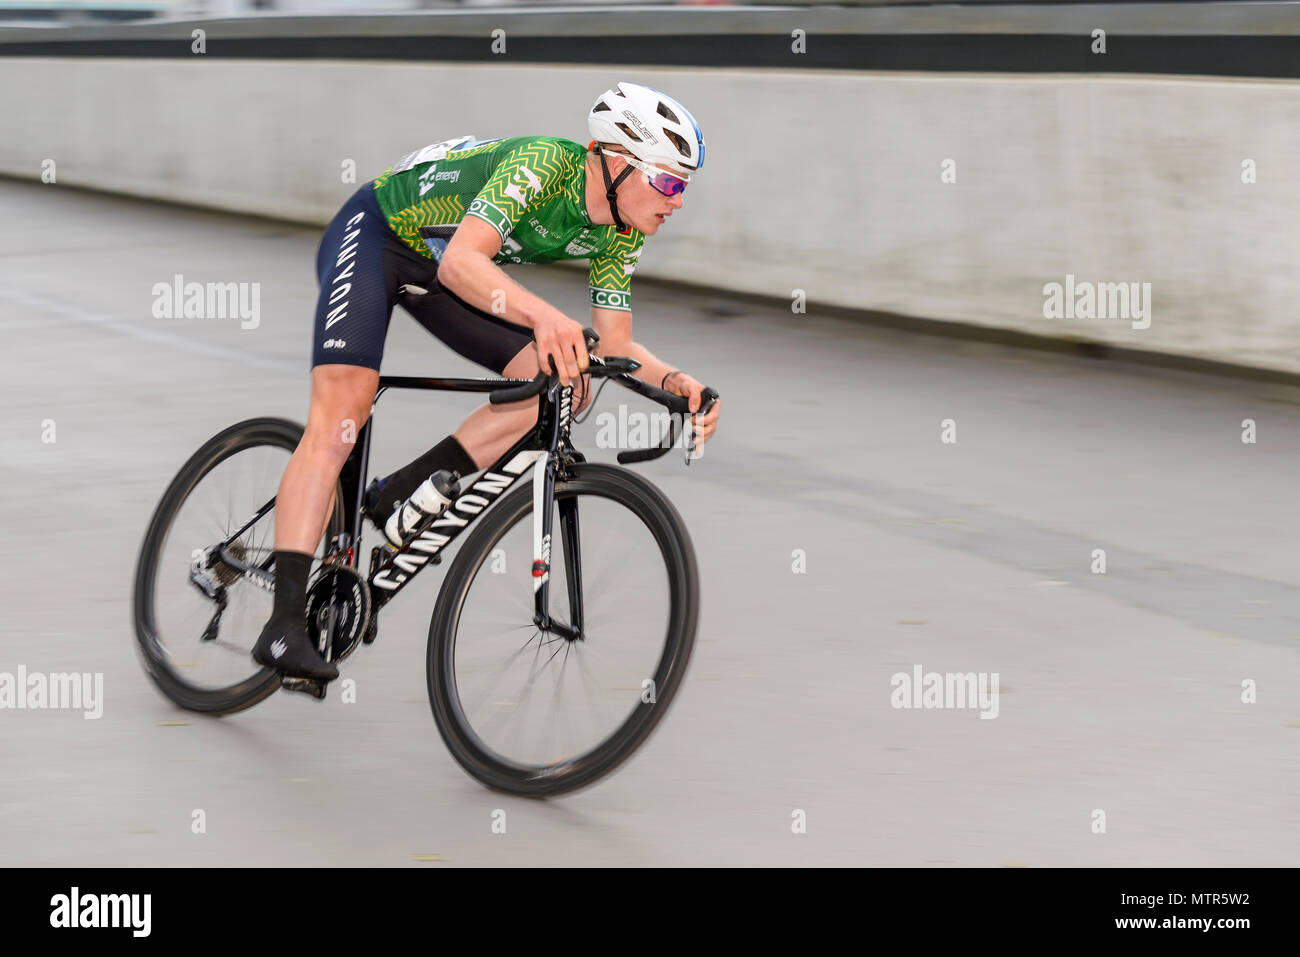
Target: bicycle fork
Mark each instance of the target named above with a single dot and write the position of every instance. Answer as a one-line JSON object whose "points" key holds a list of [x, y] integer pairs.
{"points": [[543, 502]]}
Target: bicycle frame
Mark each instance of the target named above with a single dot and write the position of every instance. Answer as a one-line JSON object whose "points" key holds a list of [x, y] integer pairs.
{"points": [[542, 452], [545, 452]]}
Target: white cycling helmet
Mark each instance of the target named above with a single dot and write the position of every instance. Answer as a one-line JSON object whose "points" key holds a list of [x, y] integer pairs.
{"points": [[654, 128]]}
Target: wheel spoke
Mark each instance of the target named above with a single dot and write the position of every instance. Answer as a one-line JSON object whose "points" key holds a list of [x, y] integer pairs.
{"points": [[219, 490], [501, 671], [556, 699]]}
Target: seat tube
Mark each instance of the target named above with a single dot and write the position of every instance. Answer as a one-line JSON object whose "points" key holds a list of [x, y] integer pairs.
{"points": [[354, 485]]}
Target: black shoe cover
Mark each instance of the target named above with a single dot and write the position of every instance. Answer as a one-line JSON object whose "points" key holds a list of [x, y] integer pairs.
{"points": [[286, 647]]}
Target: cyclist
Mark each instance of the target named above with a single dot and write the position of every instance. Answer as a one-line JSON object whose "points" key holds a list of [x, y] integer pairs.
{"points": [[430, 234]]}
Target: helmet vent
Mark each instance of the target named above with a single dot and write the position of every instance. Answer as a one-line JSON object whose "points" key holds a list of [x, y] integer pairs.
{"points": [[628, 132], [601, 107], [667, 113], [680, 143]]}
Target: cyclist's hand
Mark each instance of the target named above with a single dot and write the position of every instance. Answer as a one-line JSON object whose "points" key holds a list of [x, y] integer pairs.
{"points": [[682, 384], [560, 339]]}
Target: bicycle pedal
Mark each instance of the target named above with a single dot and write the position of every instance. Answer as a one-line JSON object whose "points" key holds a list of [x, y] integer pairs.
{"points": [[310, 686]]}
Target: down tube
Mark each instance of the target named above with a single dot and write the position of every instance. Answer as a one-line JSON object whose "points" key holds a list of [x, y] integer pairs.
{"points": [[394, 572]]}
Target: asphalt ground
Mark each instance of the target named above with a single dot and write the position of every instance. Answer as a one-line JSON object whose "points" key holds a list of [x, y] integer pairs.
{"points": [[841, 541]]}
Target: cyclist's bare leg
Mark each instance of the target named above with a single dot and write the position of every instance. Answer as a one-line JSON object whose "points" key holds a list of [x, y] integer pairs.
{"points": [[490, 430], [341, 397]]}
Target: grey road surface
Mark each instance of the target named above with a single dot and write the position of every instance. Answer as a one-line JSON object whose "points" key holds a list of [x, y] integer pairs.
{"points": [[1148, 714]]}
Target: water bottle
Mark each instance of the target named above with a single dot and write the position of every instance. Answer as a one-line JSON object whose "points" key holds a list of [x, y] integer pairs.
{"points": [[431, 498]]}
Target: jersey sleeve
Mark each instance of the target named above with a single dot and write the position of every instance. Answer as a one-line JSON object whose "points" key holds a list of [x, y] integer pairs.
{"points": [[610, 277], [529, 172]]}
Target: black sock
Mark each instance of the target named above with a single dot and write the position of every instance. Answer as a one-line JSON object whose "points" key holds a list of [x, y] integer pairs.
{"points": [[291, 572], [447, 454]]}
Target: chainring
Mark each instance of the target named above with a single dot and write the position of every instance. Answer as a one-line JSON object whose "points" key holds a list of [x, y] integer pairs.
{"points": [[338, 588]]}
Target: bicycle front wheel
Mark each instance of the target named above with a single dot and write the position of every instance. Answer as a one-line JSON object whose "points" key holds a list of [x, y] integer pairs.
{"points": [[526, 710]]}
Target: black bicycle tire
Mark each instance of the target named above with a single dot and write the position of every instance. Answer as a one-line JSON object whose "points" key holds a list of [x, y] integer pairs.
{"points": [[669, 531], [279, 433]]}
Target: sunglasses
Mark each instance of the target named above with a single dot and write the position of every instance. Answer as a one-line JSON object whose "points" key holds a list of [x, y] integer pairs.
{"points": [[667, 183]]}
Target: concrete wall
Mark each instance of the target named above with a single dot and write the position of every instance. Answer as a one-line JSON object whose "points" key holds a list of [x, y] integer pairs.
{"points": [[827, 182]]}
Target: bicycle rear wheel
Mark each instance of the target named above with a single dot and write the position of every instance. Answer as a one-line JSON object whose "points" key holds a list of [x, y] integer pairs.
{"points": [[198, 658], [533, 713]]}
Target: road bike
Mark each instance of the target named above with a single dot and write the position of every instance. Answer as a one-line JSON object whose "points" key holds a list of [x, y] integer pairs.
{"points": [[506, 651]]}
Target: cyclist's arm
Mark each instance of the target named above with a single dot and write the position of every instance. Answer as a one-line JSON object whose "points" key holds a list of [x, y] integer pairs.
{"points": [[614, 326], [610, 280], [468, 270]]}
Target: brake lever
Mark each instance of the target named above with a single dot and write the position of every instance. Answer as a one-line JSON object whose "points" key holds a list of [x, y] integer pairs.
{"points": [[709, 396]]}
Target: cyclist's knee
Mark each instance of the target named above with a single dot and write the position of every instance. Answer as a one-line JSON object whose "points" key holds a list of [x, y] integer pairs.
{"points": [[339, 382], [582, 395], [341, 397], [524, 364]]}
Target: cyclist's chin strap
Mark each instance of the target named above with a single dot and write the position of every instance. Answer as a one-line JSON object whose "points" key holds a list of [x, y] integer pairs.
{"points": [[611, 188]]}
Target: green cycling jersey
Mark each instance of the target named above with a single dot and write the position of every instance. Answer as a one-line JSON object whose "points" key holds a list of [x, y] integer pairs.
{"points": [[530, 189]]}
